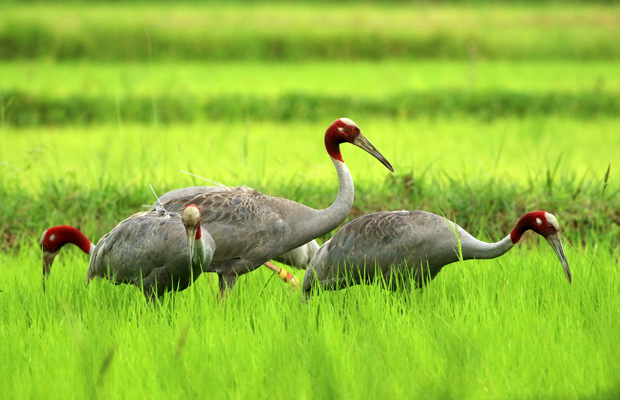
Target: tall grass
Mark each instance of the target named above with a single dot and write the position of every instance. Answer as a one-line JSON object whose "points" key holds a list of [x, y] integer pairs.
{"points": [[274, 154], [509, 328], [74, 176]]}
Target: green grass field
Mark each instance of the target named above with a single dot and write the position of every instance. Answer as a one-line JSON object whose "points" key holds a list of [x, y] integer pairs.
{"points": [[508, 328], [485, 111], [93, 93], [379, 79], [369, 31]]}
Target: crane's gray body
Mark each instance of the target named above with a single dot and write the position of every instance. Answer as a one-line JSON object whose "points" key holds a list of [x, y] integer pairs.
{"points": [[149, 250], [299, 257], [393, 244], [250, 228]]}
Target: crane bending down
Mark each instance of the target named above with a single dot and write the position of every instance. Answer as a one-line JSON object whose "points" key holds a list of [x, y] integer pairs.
{"points": [[250, 228], [155, 250], [416, 244], [297, 258]]}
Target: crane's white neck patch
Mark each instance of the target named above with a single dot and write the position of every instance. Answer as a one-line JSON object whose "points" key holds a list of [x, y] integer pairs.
{"points": [[538, 221], [348, 122]]}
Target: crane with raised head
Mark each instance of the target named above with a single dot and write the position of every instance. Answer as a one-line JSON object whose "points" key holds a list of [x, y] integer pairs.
{"points": [[155, 250], [397, 245], [250, 228]]}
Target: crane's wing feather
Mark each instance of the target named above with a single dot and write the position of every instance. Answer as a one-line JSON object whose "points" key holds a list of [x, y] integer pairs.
{"points": [[140, 244], [382, 242], [244, 222]]}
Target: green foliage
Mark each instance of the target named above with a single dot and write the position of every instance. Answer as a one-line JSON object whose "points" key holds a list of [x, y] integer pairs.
{"points": [[73, 177], [88, 93], [140, 32], [483, 329], [97, 210], [371, 80], [28, 110]]}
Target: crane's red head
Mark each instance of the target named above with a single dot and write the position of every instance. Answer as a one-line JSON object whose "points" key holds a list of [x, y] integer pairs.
{"points": [[541, 222], [55, 237], [345, 130], [546, 225]]}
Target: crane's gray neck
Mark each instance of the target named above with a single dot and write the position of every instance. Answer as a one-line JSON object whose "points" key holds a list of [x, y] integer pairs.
{"points": [[320, 222], [474, 248], [199, 255]]}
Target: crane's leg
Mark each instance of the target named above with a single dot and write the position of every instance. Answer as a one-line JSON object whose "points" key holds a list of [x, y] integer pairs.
{"points": [[283, 274]]}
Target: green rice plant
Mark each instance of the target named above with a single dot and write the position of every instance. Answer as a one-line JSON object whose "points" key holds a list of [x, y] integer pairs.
{"points": [[510, 327]]}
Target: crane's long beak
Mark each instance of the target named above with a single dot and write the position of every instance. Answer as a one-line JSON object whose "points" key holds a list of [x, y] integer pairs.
{"points": [[362, 142], [48, 260], [555, 241], [191, 241]]}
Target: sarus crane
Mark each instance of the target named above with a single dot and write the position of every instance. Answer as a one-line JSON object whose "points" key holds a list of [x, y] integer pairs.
{"points": [[250, 228], [154, 250], [397, 245], [297, 258]]}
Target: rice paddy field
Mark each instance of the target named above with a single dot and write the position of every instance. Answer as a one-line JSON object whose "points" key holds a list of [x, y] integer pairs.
{"points": [[485, 110]]}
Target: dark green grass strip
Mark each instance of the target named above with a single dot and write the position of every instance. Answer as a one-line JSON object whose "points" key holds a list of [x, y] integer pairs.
{"points": [[488, 208], [25, 40], [21, 109]]}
